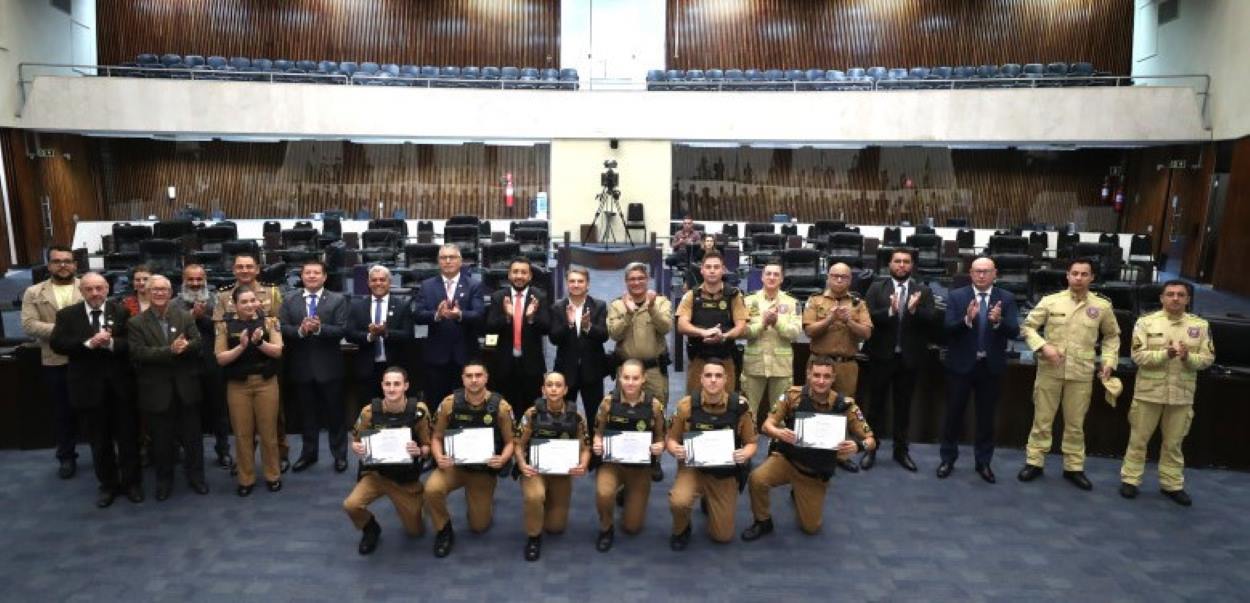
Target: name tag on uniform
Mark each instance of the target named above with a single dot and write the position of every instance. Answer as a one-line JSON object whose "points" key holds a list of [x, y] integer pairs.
{"points": [[492, 339], [421, 331]]}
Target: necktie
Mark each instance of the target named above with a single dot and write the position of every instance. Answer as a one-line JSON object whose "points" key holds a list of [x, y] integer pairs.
{"points": [[379, 348], [312, 305], [902, 309], [95, 321], [450, 286], [518, 317], [983, 331]]}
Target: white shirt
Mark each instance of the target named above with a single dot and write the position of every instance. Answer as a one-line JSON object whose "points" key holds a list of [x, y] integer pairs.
{"points": [[373, 308], [902, 300], [321, 297], [104, 322], [577, 312], [976, 295]]}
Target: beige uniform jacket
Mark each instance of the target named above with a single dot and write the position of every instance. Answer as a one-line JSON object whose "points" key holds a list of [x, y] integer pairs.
{"points": [[1073, 326], [768, 352], [1164, 380]]}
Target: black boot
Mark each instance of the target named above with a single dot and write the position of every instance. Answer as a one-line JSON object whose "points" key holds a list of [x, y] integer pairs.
{"points": [[758, 529], [657, 472], [369, 537], [604, 543], [868, 460], [679, 542], [443, 541], [533, 548]]}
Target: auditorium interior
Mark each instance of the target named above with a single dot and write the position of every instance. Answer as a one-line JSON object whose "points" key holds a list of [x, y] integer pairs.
{"points": [[804, 133]]}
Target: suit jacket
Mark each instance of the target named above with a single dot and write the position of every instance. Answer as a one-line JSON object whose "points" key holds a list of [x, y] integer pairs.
{"points": [[449, 341], [317, 357], [159, 373], [93, 373], [398, 336], [497, 323], [961, 340], [39, 315], [579, 355], [917, 328]]}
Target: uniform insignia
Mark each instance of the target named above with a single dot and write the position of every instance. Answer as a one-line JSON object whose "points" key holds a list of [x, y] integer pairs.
{"points": [[488, 419], [722, 305], [783, 308], [859, 414], [1091, 312], [1195, 331], [640, 425]]}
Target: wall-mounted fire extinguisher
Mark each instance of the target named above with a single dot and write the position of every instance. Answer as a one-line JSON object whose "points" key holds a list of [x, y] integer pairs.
{"points": [[507, 191], [1119, 199], [1104, 194]]}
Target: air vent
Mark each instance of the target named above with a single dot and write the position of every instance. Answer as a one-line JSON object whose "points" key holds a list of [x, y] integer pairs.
{"points": [[1169, 10]]}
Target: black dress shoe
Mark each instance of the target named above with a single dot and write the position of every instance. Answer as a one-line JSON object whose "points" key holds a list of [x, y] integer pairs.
{"points": [[986, 473], [868, 460], [443, 541], [1128, 490], [533, 548], [1179, 497], [944, 469], [163, 491], [679, 542], [1029, 473], [244, 490], [303, 464], [369, 537], [134, 493], [67, 469], [199, 487], [105, 497], [1078, 479], [274, 486], [604, 543], [848, 466], [284, 465], [340, 465], [224, 460], [758, 529], [902, 458]]}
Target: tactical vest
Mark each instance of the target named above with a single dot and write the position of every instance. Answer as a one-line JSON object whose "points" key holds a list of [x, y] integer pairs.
{"points": [[464, 416], [252, 361], [813, 462], [550, 426], [623, 417], [409, 418], [707, 313], [702, 420]]}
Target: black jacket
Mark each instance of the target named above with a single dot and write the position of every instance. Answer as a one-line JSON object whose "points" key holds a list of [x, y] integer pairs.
{"points": [[497, 323], [579, 355], [93, 373], [918, 328], [398, 338]]}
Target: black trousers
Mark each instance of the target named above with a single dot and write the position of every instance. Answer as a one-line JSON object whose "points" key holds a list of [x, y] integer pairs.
{"points": [[959, 388], [65, 423], [213, 412], [591, 391], [322, 403], [178, 423], [892, 383], [113, 431], [519, 387], [369, 386], [440, 381]]}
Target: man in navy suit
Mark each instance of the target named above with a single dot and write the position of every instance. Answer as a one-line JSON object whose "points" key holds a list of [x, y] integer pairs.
{"points": [[380, 324], [980, 320], [314, 321], [450, 305]]}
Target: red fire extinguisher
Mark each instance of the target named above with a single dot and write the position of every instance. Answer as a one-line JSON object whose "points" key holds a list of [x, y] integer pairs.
{"points": [[1104, 195], [1119, 199], [507, 191]]}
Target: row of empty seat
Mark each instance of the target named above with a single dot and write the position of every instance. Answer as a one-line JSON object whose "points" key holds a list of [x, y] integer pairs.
{"points": [[1010, 75], [174, 66]]}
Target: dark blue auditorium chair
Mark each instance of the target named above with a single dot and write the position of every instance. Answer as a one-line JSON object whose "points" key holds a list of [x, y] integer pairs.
{"points": [[1078, 74], [388, 72], [755, 80], [876, 74], [282, 65], [675, 80], [797, 79], [408, 75], [893, 78], [348, 68], [1010, 72], [326, 69], [814, 78], [776, 80], [367, 74], [171, 60], [715, 76], [508, 76], [528, 80], [916, 76], [550, 79], [857, 78], [1054, 75], [448, 77], [470, 76], [147, 59], [834, 79], [490, 77], [240, 64], [734, 79], [1033, 71], [695, 80], [984, 74], [655, 80], [429, 73], [939, 73]]}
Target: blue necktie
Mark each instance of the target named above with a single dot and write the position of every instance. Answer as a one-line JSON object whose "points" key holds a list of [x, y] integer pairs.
{"points": [[983, 321], [379, 349], [312, 305]]}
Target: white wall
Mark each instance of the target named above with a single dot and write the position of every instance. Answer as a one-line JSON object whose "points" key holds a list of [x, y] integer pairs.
{"points": [[646, 171], [32, 31], [1209, 36], [616, 39]]}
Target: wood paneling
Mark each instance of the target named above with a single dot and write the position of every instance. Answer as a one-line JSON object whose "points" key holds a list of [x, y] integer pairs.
{"points": [[524, 33], [288, 179], [1232, 260], [59, 168], [1152, 184], [803, 34], [991, 188]]}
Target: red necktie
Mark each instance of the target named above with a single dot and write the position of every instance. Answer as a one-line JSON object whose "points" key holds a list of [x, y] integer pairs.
{"points": [[518, 317]]}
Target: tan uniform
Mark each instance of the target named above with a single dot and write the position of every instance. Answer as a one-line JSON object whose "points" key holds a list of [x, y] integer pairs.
{"points": [[636, 479], [1073, 326], [545, 498], [694, 372], [270, 300], [838, 340], [640, 335], [1163, 395], [777, 470], [768, 361], [479, 485], [253, 405], [691, 483], [372, 485]]}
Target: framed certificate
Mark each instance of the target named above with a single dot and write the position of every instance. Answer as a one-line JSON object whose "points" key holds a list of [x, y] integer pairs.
{"points": [[469, 446], [555, 456], [819, 430], [627, 447], [710, 448]]}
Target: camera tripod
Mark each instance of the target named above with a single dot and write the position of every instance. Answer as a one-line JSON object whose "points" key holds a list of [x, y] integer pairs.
{"points": [[609, 210]]}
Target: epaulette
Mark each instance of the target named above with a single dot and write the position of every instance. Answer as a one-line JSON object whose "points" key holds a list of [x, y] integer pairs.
{"points": [[229, 287], [1100, 296]]}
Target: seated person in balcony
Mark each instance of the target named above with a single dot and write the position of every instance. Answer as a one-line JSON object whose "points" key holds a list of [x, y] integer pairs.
{"points": [[683, 242]]}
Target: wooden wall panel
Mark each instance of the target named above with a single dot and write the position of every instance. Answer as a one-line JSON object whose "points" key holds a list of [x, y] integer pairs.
{"points": [[288, 179], [1232, 260], [803, 34], [524, 33], [65, 174], [991, 188]]}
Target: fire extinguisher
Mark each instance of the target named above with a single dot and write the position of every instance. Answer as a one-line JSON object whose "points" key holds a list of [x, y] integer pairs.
{"points": [[1104, 195], [1119, 199], [507, 191]]}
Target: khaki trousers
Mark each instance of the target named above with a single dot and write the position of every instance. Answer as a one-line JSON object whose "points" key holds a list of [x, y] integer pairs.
{"points": [[479, 496], [656, 384], [406, 498], [846, 378], [253, 405], [694, 372], [762, 391], [809, 492], [1143, 418], [637, 481], [1049, 395], [545, 503], [722, 498]]}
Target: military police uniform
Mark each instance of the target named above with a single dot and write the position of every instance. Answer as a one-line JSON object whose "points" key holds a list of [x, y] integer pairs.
{"points": [[252, 397], [545, 498], [617, 415], [838, 341], [639, 335], [716, 484], [456, 412], [1164, 392], [768, 362], [270, 300], [807, 470], [1073, 326], [706, 310], [399, 482]]}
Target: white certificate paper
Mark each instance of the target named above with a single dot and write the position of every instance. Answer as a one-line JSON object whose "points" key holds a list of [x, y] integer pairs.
{"points": [[555, 456], [470, 446], [388, 446], [710, 448], [819, 430], [627, 448]]}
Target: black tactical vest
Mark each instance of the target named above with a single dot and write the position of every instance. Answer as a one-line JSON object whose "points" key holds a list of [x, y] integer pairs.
{"points": [[409, 417], [487, 415], [813, 462], [707, 313], [623, 417], [551, 426], [252, 361], [702, 420]]}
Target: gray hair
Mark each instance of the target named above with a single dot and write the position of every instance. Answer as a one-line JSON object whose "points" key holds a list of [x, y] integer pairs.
{"points": [[379, 268], [637, 266], [578, 269], [450, 246]]}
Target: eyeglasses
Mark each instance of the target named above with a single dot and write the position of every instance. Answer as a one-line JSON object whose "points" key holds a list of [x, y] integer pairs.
{"points": [[61, 261]]}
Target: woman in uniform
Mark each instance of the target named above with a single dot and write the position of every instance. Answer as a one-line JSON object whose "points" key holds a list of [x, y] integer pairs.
{"points": [[546, 496]]}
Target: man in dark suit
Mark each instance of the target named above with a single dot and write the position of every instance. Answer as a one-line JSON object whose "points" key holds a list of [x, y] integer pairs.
{"points": [[450, 307], [165, 351], [313, 322], [980, 320], [903, 319], [516, 320], [579, 327], [92, 333], [380, 325]]}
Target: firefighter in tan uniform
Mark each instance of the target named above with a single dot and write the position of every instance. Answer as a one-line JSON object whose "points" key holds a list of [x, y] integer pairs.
{"points": [[546, 497], [807, 470], [772, 325], [1170, 347], [1073, 321]]}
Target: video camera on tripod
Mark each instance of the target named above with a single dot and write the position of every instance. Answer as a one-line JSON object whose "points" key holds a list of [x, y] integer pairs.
{"points": [[610, 179], [608, 211]]}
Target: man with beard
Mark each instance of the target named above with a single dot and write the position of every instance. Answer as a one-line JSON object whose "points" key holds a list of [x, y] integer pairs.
{"points": [[40, 304], [518, 317], [198, 297]]}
